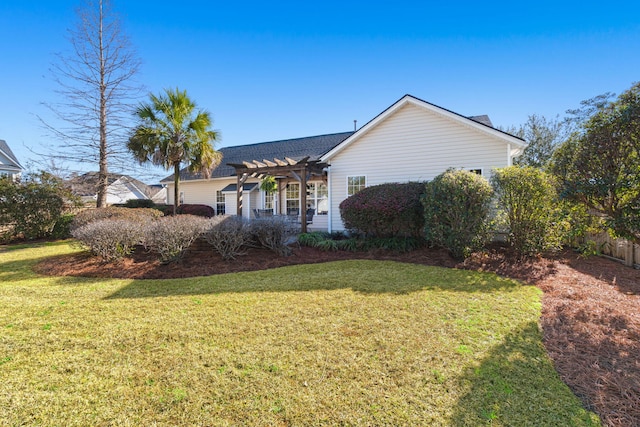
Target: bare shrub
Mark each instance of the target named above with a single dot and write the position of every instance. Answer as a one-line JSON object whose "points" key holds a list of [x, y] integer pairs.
{"points": [[273, 233], [135, 215], [110, 239], [228, 235], [170, 237]]}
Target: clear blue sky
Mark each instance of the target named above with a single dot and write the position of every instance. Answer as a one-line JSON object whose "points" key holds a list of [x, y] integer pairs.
{"points": [[277, 70]]}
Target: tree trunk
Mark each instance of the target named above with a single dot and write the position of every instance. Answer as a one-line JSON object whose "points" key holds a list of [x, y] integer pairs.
{"points": [[103, 181], [176, 191]]}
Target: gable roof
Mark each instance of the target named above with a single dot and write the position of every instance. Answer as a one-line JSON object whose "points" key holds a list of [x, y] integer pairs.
{"points": [[480, 123], [6, 151], [87, 184], [298, 148]]}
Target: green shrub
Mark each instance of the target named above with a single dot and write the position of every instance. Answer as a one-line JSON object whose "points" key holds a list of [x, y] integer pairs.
{"points": [[167, 210], [273, 233], [171, 236], [31, 208], [228, 235], [110, 239], [96, 214], [456, 210], [205, 211], [395, 244], [139, 203], [386, 210], [313, 238], [531, 209], [337, 241], [62, 227]]}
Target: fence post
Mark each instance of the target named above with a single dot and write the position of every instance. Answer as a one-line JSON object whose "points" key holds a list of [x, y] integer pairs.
{"points": [[628, 254]]}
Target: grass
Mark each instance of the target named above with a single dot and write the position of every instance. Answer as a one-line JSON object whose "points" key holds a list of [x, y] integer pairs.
{"points": [[344, 343]]}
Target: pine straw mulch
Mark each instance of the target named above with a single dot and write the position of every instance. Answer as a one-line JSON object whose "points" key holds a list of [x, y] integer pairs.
{"points": [[590, 315]]}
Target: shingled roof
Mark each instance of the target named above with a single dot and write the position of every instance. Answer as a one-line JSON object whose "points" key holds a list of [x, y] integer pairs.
{"points": [[484, 119], [4, 149], [312, 146]]}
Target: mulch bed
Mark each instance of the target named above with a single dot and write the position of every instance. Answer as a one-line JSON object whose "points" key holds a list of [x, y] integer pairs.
{"points": [[590, 316]]}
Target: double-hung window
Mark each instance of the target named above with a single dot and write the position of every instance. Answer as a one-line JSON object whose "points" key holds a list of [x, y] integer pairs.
{"points": [[292, 197], [220, 205], [355, 184]]}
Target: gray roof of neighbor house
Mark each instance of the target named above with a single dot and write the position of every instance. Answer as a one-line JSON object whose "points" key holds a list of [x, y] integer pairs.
{"points": [[296, 149], [484, 119], [4, 148], [87, 184]]}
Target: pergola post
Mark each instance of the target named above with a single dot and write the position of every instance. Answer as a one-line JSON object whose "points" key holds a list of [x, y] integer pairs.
{"points": [[303, 200], [242, 178]]}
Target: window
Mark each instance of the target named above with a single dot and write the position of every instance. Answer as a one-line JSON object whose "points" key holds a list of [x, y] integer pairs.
{"points": [[220, 205], [269, 201], [181, 197], [318, 197], [355, 184], [292, 196]]}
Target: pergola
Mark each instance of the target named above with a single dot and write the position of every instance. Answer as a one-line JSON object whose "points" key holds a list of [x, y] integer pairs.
{"points": [[300, 170]]}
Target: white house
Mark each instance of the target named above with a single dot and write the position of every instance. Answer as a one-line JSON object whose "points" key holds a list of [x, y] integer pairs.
{"points": [[9, 165], [120, 189], [412, 140]]}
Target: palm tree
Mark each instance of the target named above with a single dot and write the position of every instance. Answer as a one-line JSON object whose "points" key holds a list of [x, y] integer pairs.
{"points": [[172, 131]]}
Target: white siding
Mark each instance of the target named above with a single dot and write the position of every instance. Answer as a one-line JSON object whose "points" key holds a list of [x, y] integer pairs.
{"points": [[202, 192], [413, 144]]}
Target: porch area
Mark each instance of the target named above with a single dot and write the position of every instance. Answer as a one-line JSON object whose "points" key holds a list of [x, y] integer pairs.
{"points": [[300, 194]]}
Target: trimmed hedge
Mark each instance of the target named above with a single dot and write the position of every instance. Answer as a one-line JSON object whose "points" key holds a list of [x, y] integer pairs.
{"points": [[139, 203], [110, 239], [205, 211], [91, 215], [385, 210], [228, 236], [273, 233], [171, 236], [457, 204]]}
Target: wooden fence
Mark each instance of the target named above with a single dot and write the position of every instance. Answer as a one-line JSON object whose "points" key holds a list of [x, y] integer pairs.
{"points": [[619, 249]]}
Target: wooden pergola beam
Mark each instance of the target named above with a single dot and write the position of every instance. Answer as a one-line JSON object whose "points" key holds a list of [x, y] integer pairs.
{"points": [[300, 170]]}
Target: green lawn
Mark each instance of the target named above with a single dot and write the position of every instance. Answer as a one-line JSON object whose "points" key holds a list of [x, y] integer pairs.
{"points": [[343, 343]]}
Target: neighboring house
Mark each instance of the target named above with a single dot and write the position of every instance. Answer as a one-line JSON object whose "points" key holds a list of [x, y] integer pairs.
{"points": [[120, 189], [412, 140], [9, 165]]}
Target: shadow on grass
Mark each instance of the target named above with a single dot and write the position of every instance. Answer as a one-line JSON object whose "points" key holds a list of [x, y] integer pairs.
{"points": [[16, 265], [31, 245], [517, 385], [365, 276]]}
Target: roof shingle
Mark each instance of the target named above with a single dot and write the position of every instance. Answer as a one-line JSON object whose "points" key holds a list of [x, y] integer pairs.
{"points": [[296, 149]]}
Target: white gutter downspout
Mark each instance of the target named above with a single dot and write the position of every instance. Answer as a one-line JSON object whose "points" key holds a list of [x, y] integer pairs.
{"points": [[329, 226], [509, 154]]}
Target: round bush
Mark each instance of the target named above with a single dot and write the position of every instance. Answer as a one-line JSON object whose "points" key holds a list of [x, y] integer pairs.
{"points": [[456, 211], [110, 239], [385, 210], [170, 237], [528, 198]]}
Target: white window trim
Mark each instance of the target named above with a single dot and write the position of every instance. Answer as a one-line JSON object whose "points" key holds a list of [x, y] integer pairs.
{"points": [[366, 180]]}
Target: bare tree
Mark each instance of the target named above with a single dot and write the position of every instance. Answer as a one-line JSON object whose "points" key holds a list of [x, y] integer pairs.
{"points": [[97, 92]]}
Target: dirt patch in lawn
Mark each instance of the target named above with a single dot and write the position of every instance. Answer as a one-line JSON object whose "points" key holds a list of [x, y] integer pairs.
{"points": [[590, 316]]}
